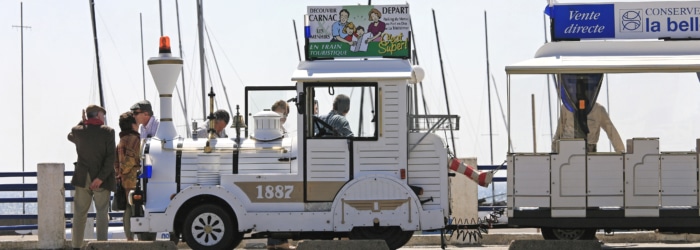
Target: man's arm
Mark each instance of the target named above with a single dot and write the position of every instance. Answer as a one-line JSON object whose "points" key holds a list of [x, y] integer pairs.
{"points": [[561, 125], [610, 130], [338, 32], [557, 135], [108, 161], [345, 129], [71, 136], [150, 129]]}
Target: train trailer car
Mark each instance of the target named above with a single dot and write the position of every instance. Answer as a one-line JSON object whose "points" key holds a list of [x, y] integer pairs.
{"points": [[571, 192]]}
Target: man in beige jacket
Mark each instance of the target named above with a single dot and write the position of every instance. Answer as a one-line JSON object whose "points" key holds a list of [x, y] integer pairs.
{"points": [[597, 118]]}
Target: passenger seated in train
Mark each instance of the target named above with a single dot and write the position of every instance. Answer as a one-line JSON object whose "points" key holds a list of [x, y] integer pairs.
{"points": [[336, 118], [598, 118], [221, 118], [282, 108]]}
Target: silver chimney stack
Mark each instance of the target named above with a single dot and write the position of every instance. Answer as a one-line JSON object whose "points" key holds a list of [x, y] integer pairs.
{"points": [[165, 70]]}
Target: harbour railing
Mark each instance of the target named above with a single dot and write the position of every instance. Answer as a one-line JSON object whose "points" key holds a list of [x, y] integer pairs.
{"points": [[495, 180], [29, 221]]}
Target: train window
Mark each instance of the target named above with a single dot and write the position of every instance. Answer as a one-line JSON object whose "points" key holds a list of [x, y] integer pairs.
{"points": [[355, 103], [260, 99]]}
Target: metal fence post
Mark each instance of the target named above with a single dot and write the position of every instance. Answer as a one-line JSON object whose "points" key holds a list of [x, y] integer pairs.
{"points": [[51, 205]]}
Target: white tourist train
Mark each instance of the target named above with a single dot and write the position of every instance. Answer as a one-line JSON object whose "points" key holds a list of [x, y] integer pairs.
{"points": [[302, 182]]}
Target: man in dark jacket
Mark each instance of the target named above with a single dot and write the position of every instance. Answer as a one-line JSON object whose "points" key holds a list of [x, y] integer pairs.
{"points": [[94, 172]]}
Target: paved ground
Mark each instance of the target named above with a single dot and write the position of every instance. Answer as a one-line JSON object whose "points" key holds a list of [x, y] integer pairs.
{"points": [[496, 239]]}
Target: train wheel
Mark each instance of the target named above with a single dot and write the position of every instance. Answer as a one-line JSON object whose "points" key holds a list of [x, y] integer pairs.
{"points": [[567, 234], [394, 236], [210, 227]]}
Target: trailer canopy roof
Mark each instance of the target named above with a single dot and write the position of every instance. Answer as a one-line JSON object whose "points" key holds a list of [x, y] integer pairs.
{"points": [[612, 57]]}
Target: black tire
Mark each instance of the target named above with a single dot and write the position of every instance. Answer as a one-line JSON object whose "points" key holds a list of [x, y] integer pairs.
{"points": [[175, 237], [209, 226], [393, 236], [549, 233]]}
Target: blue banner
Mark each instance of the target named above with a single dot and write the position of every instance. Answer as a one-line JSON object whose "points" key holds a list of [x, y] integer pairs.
{"points": [[583, 21], [626, 20]]}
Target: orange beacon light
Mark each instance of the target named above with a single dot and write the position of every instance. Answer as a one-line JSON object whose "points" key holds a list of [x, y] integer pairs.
{"points": [[164, 45]]}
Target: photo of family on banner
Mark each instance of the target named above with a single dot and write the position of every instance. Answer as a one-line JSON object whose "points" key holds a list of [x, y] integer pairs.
{"points": [[357, 31]]}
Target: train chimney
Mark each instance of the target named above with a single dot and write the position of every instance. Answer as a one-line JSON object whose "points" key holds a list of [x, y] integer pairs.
{"points": [[165, 70]]}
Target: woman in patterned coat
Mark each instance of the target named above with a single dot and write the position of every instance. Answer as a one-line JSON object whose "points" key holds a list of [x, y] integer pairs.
{"points": [[128, 162]]}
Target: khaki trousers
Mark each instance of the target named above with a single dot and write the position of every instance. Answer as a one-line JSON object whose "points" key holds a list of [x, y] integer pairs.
{"points": [[82, 199]]}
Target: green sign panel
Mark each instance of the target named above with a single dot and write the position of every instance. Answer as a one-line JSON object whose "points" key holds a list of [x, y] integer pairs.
{"points": [[357, 31]]}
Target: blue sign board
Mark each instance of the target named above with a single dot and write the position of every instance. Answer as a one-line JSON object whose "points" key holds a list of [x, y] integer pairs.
{"points": [[584, 21], [626, 20]]}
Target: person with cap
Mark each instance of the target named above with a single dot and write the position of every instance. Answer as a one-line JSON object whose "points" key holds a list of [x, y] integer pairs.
{"points": [[598, 118], [143, 112], [93, 176], [221, 118]]}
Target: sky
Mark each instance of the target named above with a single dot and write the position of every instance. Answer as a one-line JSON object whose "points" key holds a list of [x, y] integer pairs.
{"points": [[254, 44]]}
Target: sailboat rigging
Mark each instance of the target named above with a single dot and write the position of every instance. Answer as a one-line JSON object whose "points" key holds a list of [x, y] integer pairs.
{"points": [[216, 63]]}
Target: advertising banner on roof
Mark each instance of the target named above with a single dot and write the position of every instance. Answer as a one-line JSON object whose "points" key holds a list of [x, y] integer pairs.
{"points": [[626, 20], [357, 31]]}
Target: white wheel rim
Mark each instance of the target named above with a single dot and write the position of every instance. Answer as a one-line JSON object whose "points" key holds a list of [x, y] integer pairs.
{"points": [[208, 229]]}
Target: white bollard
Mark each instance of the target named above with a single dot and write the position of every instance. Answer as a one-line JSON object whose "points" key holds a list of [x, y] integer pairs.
{"points": [[51, 205]]}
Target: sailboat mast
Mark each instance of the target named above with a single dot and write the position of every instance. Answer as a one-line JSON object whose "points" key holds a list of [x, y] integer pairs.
{"points": [[417, 62], [184, 96], [200, 28], [296, 36], [97, 53], [143, 71], [414, 59], [444, 85], [488, 82], [160, 9], [21, 35]]}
